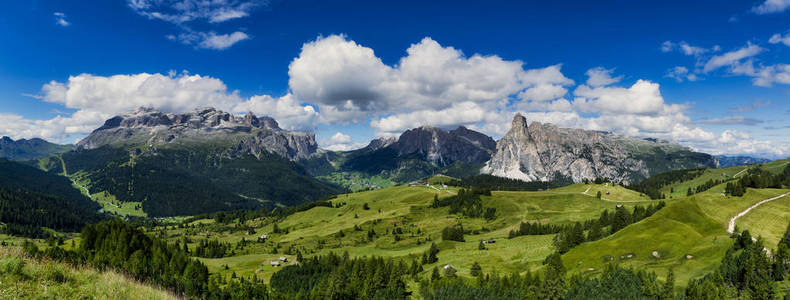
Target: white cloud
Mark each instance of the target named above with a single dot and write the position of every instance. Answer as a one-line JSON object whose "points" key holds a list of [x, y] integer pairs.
{"points": [[60, 19], [764, 76], [643, 98], [289, 113], [779, 38], [209, 40], [181, 12], [465, 113], [543, 92], [340, 142], [681, 73], [121, 93], [686, 48], [733, 120], [335, 80], [349, 82], [732, 57], [222, 41], [601, 77], [771, 6], [97, 98]]}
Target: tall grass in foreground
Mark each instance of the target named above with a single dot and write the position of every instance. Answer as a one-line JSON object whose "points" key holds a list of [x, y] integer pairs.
{"points": [[25, 278]]}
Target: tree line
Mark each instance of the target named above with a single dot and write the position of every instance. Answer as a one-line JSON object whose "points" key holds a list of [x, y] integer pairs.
{"points": [[652, 186], [467, 203], [758, 178], [496, 183], [119, 246], [571, 235], [747, 271]]}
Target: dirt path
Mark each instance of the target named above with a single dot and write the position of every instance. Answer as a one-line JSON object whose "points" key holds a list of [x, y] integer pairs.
{"points": [[731, 227], [739, 173]]}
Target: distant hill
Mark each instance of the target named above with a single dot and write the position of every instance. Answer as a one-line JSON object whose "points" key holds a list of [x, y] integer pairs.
{"points": [[734, 161], [34, 148]]}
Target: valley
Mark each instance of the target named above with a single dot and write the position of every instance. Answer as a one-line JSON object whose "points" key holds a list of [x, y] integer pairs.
{"points": [[249, 214]]}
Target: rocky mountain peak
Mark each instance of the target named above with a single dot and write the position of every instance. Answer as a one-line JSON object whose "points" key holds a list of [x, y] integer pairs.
{"points": [[248, 134], [381, 142], [544, 152], [442, 147], [519, 127]]}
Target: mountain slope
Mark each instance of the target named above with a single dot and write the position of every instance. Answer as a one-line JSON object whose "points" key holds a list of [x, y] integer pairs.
{"points": [[420, 152], [544, 152], [23, 149], [31, 199], [198, 162]]}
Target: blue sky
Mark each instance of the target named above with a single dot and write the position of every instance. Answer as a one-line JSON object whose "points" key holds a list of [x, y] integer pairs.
{"points": [[711, 75]]}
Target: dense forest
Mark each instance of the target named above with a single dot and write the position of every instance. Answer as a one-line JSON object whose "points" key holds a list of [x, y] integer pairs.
{"points": [[31, 199], [652, 186], [467, 203], [117, 245], [195, 181], [759, 179], [571, 235]]}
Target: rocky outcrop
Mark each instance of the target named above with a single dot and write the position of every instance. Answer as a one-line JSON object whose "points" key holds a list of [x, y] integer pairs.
{"points": [[149, 128], [544, 152]]}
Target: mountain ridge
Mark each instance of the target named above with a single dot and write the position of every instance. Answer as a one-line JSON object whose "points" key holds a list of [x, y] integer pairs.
{"points": [[250, 134], [27, 149]]}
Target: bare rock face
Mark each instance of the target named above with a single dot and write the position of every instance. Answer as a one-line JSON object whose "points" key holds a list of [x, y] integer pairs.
{"points": [[543, 152], [443, 148], [250, 134]]}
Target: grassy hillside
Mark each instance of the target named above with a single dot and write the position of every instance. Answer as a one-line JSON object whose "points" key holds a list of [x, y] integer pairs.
{"points": [[407, 210], [678, 230], [25, 278], [689, 235], [680, 189]]}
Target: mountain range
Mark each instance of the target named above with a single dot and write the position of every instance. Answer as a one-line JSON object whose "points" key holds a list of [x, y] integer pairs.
{"points": [[208, 160], [200, 161], [34, 148]]}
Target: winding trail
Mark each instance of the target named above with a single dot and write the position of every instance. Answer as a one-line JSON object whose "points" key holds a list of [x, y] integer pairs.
{"points": [[731, 226], [739, 173]]}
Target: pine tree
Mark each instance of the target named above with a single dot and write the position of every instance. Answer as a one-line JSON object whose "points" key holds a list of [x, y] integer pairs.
{"points": [[595, 232], [435, 274], [432, 253], [476, 270], [668, 291]]}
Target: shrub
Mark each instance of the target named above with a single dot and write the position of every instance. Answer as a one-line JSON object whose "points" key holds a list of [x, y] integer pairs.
{"points": [[13, 266]]}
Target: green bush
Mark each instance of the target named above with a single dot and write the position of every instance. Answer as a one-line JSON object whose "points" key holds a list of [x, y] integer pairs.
{"points": [[13, 266]]}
